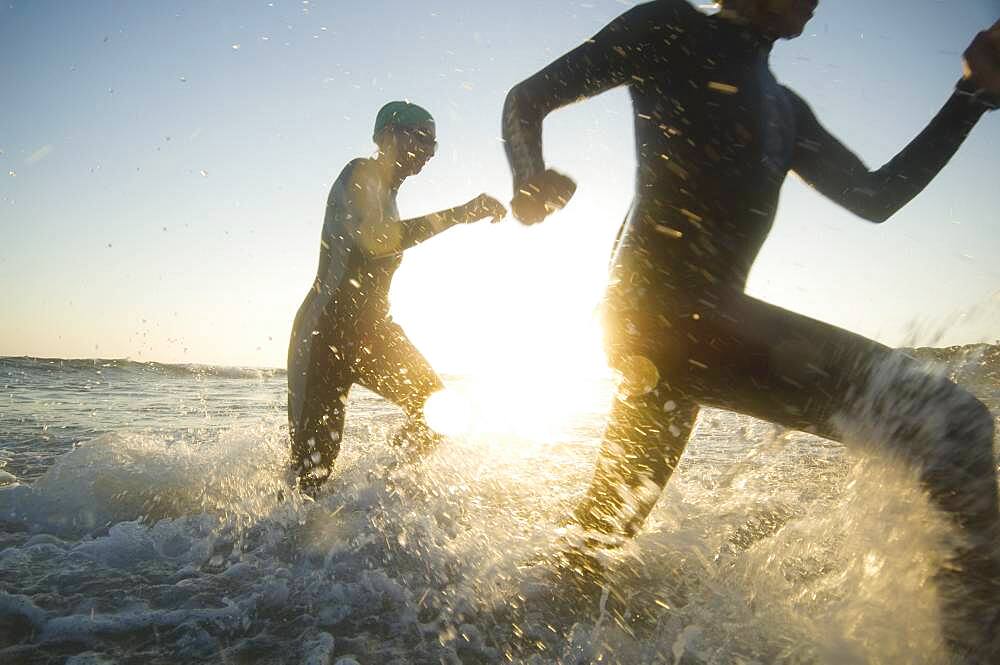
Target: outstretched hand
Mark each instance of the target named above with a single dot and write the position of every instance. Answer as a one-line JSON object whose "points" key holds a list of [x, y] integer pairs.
{"points": [[541, 196], [484, 206], [981, 61]]}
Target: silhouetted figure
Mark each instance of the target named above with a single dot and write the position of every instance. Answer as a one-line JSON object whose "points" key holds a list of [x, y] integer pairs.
{"points": [[343, 333], [716, 134]]}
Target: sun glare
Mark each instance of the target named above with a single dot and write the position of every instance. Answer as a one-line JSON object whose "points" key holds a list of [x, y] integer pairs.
{"points": [[513, 330], [537, 389], [448, 412]]}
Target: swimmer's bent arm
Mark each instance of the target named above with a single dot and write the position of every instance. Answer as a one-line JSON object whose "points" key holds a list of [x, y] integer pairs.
{"points": [[619, 52], [419, 229], [380, 237], [837, 173]]}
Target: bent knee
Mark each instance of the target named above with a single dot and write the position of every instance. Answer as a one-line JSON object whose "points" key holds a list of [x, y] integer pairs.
{"points": [[971, 424], [939, 407], [971, 416]]}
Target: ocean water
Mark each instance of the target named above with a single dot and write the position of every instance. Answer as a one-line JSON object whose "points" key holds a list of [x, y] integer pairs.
{"points": [[145, 518]]}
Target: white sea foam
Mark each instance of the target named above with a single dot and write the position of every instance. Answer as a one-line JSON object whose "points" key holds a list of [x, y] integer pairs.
{"points": [[119, 477]]}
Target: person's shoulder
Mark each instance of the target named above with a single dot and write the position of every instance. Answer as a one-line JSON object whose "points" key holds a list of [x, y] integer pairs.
{"points": [[356, 174], [656, 17], [359, 169], [671, 11]]}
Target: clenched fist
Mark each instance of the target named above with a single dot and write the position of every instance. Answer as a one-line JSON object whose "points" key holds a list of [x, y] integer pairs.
{"points": [[484, 206], [541, 196], [981, 61]]}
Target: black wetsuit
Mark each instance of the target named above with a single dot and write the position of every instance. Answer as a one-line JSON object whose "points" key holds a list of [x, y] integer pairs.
{"points": [[716, 134], [343, 333]]}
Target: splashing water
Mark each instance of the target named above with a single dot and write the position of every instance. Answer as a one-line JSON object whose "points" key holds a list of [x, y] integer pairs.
{"points": [[153, 517]]}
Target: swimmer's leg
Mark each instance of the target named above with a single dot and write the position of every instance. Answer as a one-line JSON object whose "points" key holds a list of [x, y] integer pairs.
{"points": [[643, 442], [318, 386], [946, 435], [396, 370], [804, 374]]}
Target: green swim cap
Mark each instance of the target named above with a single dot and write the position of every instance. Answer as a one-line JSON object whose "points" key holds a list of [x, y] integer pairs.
{"points": [[401, 114]]}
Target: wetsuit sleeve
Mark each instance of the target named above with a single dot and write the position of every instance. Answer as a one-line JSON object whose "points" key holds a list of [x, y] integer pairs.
{"points": [[837, 173], [419, 229], [618, 53], [378, 236]]}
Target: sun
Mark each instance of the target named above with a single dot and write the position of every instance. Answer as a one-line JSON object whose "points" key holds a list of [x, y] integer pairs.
{"points": [[531, 382], [508, 317]]}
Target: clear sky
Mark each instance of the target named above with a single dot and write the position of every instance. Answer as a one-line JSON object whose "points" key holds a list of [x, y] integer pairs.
{"points": [[165, 165]]}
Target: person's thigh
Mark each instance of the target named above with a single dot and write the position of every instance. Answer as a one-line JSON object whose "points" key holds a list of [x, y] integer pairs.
{"points": [[770, 363], [389, 364], [742, 354]]}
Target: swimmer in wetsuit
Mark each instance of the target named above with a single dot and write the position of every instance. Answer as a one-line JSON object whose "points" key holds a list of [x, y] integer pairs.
{"points": [[716, 134], [343, 333]]}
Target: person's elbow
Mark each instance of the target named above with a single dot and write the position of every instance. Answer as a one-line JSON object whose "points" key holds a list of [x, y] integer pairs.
{"points": [[517, 108], [875, 215], [871, 204], [515, 99]]}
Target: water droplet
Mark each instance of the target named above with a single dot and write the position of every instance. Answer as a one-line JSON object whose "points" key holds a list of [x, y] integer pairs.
{"points": [[12, 173], [236, 47], [204, 173]]}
